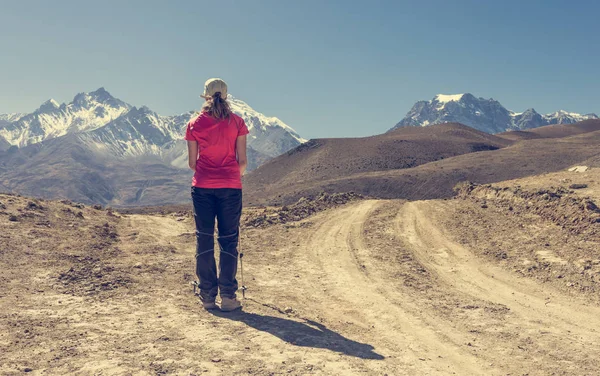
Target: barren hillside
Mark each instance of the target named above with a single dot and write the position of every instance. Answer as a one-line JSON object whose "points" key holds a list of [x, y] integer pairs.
{"points": [[436, 179], [406, 147], [554, 131]]}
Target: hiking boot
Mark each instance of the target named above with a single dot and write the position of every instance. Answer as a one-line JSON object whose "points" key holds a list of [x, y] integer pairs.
{"points": [[209, 304], [230, 304]]}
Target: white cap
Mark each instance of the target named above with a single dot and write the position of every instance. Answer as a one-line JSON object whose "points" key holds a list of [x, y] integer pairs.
{"points": [[213, 86]]}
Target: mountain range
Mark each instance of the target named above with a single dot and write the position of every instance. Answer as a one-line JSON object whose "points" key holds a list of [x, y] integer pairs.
{"points": [[98, 148], [125, 130], [486, 115]]}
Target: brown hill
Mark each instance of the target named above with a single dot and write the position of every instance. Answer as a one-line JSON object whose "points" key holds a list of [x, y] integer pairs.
{"points": [[592, 162], [554, 131], [407, 147], [437, 179]]}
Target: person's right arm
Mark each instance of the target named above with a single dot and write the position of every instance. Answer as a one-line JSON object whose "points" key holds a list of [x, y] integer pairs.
{"points": [[240, 148]]}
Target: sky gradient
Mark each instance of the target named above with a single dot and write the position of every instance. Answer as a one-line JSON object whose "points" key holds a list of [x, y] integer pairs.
{"points": [[326, 68]]}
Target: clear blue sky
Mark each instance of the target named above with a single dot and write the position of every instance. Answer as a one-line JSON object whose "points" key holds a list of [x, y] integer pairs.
{"points": [[327, 68]]}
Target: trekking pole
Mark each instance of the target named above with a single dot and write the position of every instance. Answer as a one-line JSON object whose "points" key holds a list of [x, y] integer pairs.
{"points": [[241, 263]]}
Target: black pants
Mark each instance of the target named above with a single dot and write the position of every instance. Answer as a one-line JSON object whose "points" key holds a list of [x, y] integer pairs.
{"points": [[226, 205]]}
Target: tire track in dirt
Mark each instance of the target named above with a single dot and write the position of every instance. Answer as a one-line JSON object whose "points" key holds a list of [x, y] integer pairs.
{"points": [[554, 324], [396, 331]]}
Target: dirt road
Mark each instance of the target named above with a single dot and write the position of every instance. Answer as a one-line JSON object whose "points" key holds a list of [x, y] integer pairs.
{"points": [[372, 287], [561, 332]]}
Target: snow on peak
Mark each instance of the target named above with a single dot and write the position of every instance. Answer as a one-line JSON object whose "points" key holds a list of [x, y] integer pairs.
{"points": [[444, 98], [113, 124], [86, 112], [253, 118], [565, 113], [7, 118], [487, 115], [50, 104]]}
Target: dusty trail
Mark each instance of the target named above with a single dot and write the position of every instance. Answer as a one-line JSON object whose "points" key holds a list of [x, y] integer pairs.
{"points": [[561, 332], [350, 316], [499, 323], [352, 292], [461, 270]]}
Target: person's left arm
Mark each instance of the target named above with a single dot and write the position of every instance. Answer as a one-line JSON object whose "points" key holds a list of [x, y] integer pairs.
{"points": [[192, 154], [192, 145]]}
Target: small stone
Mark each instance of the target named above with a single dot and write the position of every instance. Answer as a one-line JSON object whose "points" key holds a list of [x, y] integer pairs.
{"points": [[13, 218], [27, 369], [216, 360]]}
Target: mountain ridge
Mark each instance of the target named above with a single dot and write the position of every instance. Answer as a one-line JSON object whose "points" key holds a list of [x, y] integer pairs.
{"points": [[99, 149], [127, 131], [486, 115]]}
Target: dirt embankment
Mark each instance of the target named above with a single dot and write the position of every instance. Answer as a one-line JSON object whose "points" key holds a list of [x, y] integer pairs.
{"points": [[579, 215], [536, 228]]}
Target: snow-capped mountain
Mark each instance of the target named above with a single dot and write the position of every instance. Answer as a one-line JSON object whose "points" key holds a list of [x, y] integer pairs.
{"points": [[486, 115], [140, 131], [118, 129], [98, 149], [9, 118], [86, 112], [268, 135]]}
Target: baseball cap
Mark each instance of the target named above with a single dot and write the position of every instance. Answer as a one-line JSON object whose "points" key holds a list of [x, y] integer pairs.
{"points": [[215, 85]]}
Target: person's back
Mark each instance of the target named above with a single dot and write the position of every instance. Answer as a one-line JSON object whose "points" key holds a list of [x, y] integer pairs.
{"points": [[217, 165], [217, 154]]}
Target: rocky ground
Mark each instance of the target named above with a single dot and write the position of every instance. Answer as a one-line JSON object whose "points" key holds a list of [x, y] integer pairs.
{"points": [[501, 280]]}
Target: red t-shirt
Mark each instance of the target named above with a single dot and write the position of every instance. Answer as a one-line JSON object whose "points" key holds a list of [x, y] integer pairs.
{"points": [[217, 165]]}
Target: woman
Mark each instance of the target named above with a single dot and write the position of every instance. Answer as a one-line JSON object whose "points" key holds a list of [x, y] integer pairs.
{"points": [[216, 141]]}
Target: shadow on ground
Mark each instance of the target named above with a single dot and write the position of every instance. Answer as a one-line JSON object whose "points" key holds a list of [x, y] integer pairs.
{"points": [[306, 333]]}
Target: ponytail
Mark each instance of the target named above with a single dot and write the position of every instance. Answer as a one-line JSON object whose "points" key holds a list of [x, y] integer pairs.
{"points": [[217, 107]]}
